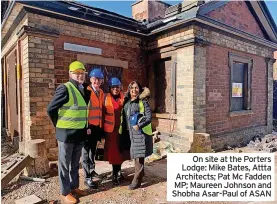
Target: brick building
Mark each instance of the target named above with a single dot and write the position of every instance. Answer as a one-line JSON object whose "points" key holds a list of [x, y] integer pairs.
{"points": [[208, 65]]}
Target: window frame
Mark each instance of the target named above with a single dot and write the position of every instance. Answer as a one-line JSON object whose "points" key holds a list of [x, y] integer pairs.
{"points": [[249, 63], [173, 84]]}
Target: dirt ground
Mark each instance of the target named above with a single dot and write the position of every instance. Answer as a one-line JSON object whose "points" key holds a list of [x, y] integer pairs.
{"points": [[153, 190]]}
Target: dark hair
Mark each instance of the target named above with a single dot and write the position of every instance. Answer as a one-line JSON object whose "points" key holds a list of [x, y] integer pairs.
{"points": [[129, 87]]}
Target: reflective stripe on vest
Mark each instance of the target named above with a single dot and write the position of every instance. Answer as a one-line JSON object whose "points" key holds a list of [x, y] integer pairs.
{"points": [[73, 114], [95, 108], [147, 129], [109, 119]]}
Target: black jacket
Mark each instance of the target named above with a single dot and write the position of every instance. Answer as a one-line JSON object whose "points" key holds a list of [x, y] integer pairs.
{"points": [[60, 98], [139, 144]]}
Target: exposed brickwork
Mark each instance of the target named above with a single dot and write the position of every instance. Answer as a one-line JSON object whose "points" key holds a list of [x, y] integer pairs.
{"points": [[149, 10], [237, 137], [202, 90], [38, 75], [171, 37], [275, 66], [217, 87], [269, 64], [139, 10], [199, 89], [184, 91], [211, 65], [238, 15], [134, 57], [10, 20], [83, 31], [234, 42]]}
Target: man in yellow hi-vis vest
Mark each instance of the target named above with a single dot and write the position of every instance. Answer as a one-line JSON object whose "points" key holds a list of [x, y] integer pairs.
{"points": [[68, 113]]}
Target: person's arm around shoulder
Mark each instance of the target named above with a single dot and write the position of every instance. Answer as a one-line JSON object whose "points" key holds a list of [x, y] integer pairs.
{"points": [[59, 99]]}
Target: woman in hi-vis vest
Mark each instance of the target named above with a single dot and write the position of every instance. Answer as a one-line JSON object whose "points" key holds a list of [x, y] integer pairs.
{"points": [[136, 130], [113, 102]]}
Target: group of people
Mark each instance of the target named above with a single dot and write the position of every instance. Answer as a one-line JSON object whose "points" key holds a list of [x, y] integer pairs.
{"points": [[83, 114]]}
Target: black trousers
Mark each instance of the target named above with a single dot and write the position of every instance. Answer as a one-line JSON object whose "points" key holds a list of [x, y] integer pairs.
{"points": [[139, 170]]}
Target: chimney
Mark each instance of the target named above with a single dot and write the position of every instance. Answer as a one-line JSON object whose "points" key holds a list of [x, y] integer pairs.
{"points": [[149, 10]]}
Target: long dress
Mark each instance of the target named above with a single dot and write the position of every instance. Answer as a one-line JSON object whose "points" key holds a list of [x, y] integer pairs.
{"points": [[112, 151]]}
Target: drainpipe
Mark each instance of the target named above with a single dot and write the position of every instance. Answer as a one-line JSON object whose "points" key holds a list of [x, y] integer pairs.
{"points": [[19, 101]]}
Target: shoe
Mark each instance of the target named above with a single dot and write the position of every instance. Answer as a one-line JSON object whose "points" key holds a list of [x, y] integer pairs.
{"points": [[115, 180], [89, 183], [94, 174], [69, 199], [121, 177], [95, 177], [79, 192], [134, 186]]}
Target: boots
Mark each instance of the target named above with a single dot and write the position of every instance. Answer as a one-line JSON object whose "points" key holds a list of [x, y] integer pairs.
{"points": [[139, 174], [116, 178], [121, 176], [136, 185]]}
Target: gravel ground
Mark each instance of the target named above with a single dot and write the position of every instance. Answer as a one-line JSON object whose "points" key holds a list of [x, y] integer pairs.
{"points": [[153, 191]]}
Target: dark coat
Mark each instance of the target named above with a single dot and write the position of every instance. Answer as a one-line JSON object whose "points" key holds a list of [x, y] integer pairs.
{"points": [[140, 144], [60, 98]]}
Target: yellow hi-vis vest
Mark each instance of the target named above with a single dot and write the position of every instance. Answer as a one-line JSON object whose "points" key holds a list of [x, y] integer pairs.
{"points": [[147, 129], [73, 114]]}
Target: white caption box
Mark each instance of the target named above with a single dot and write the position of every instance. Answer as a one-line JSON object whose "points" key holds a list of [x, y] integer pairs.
{"points": [[220, 177]]}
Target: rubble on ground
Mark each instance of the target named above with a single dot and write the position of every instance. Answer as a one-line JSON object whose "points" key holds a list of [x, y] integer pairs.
{"points": [[268, 143], [160, 150]]}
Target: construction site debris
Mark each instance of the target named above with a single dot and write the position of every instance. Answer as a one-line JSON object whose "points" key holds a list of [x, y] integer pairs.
{"points": [[32, 179], [267, 143]]}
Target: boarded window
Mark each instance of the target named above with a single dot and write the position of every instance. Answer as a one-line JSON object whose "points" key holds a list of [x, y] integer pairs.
{"points": [[108, 72], [240, 83], [165, 86]]}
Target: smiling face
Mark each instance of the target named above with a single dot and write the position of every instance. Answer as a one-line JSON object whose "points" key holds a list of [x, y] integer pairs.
{"points": [[134, 90], [96, 82], [78, 75]]}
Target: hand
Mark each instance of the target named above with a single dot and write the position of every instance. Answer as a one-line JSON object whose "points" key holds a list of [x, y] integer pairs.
{"points": [[89, 131], [136, 127]]}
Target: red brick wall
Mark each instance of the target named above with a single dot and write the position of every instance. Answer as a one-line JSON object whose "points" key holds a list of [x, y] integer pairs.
{"points": [[217, 89], [238, 15], [134, 56]]}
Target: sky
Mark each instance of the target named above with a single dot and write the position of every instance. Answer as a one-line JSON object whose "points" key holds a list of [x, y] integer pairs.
{"points": [[125, 7]]}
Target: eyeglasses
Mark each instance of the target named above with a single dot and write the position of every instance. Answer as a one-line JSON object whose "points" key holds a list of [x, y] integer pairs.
{"points": [[79, 73]]}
